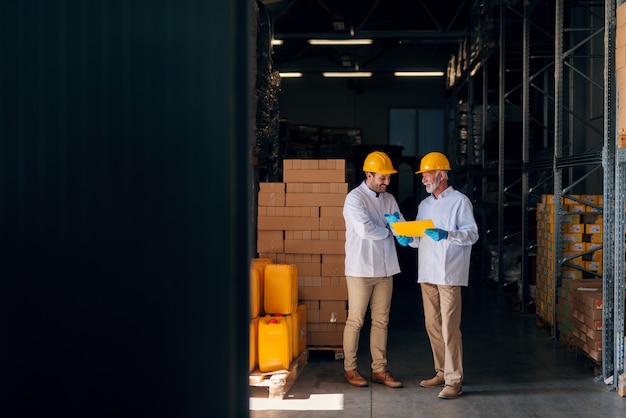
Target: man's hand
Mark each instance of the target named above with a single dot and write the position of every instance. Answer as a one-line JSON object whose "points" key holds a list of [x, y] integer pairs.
{"points": [[392, 218], [436, 233], [404, 241]]}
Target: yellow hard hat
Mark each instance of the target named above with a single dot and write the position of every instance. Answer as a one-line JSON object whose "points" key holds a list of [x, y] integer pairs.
{"points": [[433, 161], [378, 162]]}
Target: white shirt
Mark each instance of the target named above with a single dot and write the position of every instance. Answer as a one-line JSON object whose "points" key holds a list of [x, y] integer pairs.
{"points": [[447, 261], [370, 245]]}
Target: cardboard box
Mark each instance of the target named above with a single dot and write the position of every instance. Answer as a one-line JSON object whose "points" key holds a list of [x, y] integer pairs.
{"points": [[270, 241], [593, 324], [572, 238], [309, 269], [594, 266], [333, 223], [325, 338], [621, 383], [271, 187], [592, 299], [620, 57], [281, 223], [333, 311], [271, 199], [333, 269], [315, 199], [314, 246], [576, 247], [270, 246], [323, 293], [593, 228], [620, 15]]}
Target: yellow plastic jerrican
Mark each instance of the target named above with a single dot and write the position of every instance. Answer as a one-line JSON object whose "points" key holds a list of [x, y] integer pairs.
{"points": [[295, 340], [255, 290], [254, 325], [261, 263], [280, 293], [289, 321], [274, 344]]}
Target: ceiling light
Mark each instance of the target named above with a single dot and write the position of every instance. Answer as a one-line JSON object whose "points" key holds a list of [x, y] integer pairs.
{"points": [[340, 41], [418, 73], [347, 74], [290, 75], [277, 41]]}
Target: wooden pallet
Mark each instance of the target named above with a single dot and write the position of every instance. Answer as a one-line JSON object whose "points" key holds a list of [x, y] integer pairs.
{"points": [[337, 350], [260, 381]]}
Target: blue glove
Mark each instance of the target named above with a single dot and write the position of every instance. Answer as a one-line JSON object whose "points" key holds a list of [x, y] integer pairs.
{"points": [[392, 218], [436, 233], [404, 241]]}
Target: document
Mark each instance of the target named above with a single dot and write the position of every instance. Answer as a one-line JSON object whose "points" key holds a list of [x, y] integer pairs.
{"points": [[412, 228]]}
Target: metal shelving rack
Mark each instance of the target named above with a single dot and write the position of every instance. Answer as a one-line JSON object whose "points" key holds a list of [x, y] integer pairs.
{"points": [[618, 271], [567, 99], [571, 164], [616, 159], [492, 85]]}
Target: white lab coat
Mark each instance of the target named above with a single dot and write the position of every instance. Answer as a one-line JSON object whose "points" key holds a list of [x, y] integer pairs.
{"points": [[446, 262], [370, 246]]}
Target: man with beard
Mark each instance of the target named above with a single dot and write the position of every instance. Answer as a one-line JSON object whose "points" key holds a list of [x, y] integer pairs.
{"points": [[370, 264], [443, 269]]}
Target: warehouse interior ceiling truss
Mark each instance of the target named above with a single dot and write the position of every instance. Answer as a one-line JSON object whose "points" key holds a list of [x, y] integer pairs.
{"points": [[412, 35]]}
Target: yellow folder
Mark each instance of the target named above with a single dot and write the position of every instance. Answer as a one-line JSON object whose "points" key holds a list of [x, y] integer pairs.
{"points": [[412, 228]]}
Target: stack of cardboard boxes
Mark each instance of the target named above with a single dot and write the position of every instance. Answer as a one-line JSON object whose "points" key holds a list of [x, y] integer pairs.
{"points": [[578, 316], [300, 222]]}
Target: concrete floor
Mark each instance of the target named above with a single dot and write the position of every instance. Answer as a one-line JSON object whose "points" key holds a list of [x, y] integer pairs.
{"points": [[512, 369]]}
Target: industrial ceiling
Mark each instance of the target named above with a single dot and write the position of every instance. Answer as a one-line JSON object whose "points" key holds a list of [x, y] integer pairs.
{"points": [[408, 35]]}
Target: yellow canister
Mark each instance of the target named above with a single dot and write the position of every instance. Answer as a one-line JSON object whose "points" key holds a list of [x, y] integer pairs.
{"points": [[280, 292], [254, 326], [289, 320], [255, 290], [262, 262], [274, 344], [295, 338]]}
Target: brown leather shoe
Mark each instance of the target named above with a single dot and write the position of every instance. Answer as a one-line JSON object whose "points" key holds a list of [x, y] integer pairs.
{"points": [[450, 392], [386, 379], [433, 382], [354, 378]]}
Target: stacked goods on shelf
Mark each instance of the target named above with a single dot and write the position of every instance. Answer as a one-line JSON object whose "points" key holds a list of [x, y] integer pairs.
{"points": [[275, 330], [321, 142], [581, 245], [586, 312], [300, 222], [338, 142], [580, 323]]}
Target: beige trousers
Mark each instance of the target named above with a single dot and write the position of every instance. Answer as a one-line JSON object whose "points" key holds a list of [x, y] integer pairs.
{"points": [[374, 292], [442, 316]]}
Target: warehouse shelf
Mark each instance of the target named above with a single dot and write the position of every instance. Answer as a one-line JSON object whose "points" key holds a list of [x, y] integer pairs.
{"points": [[558, 116]]}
